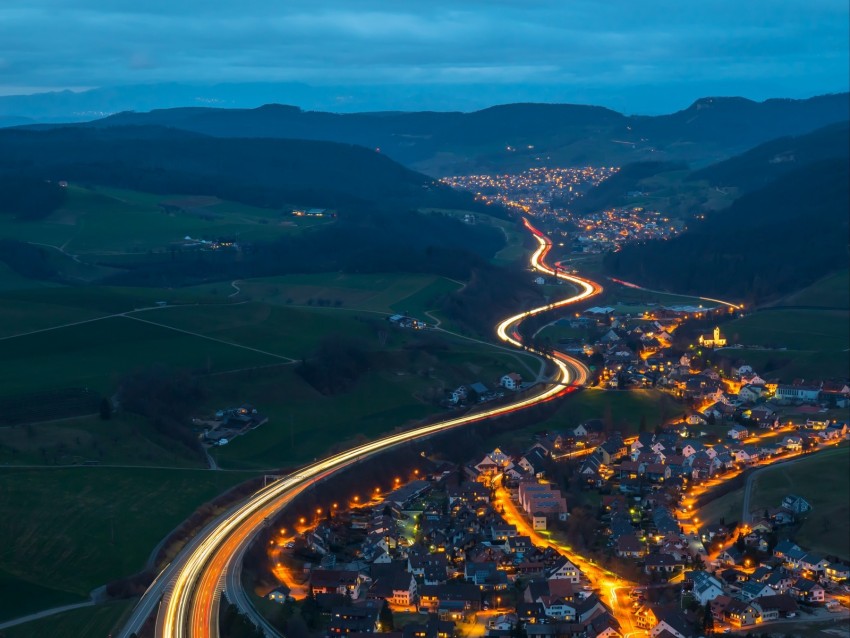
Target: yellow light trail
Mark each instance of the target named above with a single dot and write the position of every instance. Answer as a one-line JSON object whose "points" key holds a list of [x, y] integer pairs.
{"points": [[190, 609]]}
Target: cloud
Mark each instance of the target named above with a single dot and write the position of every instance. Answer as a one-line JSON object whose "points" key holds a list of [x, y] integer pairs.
{"points": [[796, 44]]}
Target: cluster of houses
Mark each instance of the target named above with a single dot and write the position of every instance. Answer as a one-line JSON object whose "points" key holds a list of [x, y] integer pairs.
{"points": [[405, 321], [773, 587], [478, 392], [228, 423], [442, 547]]}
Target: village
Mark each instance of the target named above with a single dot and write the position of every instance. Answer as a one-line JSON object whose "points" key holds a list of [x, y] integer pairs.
{"points": [[581, 534]]}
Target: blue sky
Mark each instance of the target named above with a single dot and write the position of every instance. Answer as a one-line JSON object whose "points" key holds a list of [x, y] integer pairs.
{"points": [[633, 55]]}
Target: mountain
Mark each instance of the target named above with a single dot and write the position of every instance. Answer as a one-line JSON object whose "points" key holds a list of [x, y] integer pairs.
{"points": [[771, 160], [262, 172], [771, 241], [519, 136]]}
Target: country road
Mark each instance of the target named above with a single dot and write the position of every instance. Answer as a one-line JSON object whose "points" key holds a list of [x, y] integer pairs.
{"points": [[191, 585]]}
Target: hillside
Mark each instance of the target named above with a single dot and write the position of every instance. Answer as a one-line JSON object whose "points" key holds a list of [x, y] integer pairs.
{"points": [[772, 241], [518, 136], [260, 172], [775, 158]]}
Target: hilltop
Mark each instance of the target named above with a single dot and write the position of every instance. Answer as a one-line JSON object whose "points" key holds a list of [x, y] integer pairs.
{"points": [[518, 136]]}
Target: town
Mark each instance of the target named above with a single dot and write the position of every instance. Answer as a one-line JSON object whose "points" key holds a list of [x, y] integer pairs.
{"points": [[496, 547]]}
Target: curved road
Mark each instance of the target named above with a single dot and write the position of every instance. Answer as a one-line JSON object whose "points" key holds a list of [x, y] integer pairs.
{"points": [[190, 586]]}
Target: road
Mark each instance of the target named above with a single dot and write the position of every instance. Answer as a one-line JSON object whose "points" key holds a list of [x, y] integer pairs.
{"points": [[628, 284], [190, 586]]}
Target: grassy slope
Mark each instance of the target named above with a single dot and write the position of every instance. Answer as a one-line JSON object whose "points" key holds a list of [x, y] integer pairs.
{"points": [[816, 342], [125, 439], [826, 527], [78, 623], [75, 529], [806, 478], [86, 224], [829, 292]]}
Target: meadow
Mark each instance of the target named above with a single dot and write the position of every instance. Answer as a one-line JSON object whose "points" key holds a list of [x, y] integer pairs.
{"points": [[825, 528], [70, 530], [86, 225], [795, 343], [88, 621]]}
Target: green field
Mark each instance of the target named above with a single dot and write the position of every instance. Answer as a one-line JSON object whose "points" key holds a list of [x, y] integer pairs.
{"points": [[382, 293], [74, 529], [827, 527], [793, 329], [626, 409], [830, 292], [125, 439], [797, 343], [86, 223], [97, 354], [95, 621], [21, 597]]}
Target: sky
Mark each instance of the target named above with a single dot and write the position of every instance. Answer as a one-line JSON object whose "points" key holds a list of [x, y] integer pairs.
{"points": [[638, 56]]}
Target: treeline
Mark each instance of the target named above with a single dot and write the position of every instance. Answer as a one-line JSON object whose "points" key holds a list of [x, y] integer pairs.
{"points": [[27, 260], [372, 242], [337, 364], [262, 172], [29, 198], [167, 398], [770, 242]]}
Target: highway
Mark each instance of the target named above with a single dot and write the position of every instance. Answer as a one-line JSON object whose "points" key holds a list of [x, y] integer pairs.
{"points": [[189, 588]]}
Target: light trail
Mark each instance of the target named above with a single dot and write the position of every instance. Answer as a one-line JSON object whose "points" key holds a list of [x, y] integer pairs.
{"points": [[190, 608], [628, 284]]}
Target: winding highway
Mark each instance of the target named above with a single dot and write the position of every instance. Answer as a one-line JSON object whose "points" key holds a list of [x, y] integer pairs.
{"points": [[187, 591]]}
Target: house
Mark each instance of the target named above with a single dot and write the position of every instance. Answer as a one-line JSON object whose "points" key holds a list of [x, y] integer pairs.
{"points": [[807, 591], [774, 607], [433, 628], [279, 594], [706, 587], [813, 563], [783, 547], [797, 393], [837, 572], [664, 563], [738, 432], [354, 619], [558, 608], [645, 617], [604, 626], [779, 581], [628, 546], [674, 622], [613, 450], [336, 581], [795, 504], [564, 570], [753, 590], [511, 381], [534, 463], [741, 614]]}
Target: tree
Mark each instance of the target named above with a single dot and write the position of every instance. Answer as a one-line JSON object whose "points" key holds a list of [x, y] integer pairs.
{"points": [[642, 426], [707, 620], [385, 618], [105, 409]]}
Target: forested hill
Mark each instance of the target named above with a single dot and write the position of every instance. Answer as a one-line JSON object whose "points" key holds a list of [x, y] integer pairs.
{"points": [[769, 242], [766, 162], [261, 172], [518, 136]]}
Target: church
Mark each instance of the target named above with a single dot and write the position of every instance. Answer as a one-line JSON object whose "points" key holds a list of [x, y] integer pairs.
{"points": [[714, 340]]}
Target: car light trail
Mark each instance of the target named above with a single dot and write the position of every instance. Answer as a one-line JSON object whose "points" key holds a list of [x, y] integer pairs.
{"points": [[190, 609]]}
